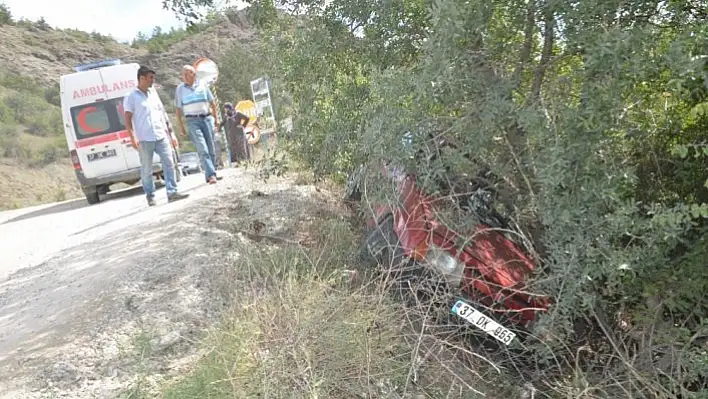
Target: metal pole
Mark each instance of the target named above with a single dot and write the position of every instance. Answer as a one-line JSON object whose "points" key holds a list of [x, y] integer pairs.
{"points": [[272, 113]]}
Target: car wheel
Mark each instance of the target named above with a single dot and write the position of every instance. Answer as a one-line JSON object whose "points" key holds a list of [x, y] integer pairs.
{"points": [[410, 281], [92, 196], [382, 247]]}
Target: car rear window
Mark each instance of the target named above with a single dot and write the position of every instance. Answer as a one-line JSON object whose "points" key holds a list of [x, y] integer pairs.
{"points": [[99, 118], [189, 157]]}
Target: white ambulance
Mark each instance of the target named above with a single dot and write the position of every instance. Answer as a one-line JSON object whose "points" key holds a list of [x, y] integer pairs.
{"points": [[94, 125]]}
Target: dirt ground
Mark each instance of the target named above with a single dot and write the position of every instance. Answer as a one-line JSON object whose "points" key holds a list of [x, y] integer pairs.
{"points": [[79, 322]]}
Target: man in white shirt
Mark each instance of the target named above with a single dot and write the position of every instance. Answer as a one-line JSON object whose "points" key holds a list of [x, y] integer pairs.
{"points": [[146, 124]]}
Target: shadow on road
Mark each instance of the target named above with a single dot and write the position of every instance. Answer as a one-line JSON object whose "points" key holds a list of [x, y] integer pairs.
{"points": [[77, 204], [105, 222]]}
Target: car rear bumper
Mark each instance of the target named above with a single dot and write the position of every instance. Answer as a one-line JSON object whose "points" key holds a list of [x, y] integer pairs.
{"points": [[514, 306], [506, 318], [190, 168]]}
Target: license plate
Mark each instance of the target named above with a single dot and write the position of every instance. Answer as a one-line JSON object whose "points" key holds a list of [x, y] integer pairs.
{"points": [[483, 322], [101, 154]]}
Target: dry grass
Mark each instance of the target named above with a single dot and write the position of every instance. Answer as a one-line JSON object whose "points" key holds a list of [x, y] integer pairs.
{"points": [[305, 324], [24, 186], [304, 321]]}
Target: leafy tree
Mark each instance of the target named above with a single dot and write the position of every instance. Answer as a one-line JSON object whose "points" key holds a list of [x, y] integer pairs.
{"points": [[140, 40], [42, 24], [584, 110], [238, 67], [52, 95], [188, 10], [5, 15], [593, 116]]}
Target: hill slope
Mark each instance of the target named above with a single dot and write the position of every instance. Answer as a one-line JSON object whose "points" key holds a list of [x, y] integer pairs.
{"points": [[34, 167]]}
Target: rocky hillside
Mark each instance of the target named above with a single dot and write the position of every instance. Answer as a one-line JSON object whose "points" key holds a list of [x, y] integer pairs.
{"points": [[43, 54], [215, 41], [34, 167]]}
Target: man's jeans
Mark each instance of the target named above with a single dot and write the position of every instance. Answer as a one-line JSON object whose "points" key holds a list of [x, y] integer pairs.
{"points": [[201, 132], [164, 151]]}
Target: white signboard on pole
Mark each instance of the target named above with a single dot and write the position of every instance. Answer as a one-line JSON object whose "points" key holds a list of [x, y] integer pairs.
{"points": [[260, 89]]}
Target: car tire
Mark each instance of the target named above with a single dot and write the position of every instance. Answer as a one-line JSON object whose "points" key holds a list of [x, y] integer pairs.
{"points": [[408, 280], [381, 246], [92, 196]]}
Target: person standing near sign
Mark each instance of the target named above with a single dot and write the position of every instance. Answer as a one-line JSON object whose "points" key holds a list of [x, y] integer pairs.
{"points": [[146, 123], [196, 103], [235, 121]]}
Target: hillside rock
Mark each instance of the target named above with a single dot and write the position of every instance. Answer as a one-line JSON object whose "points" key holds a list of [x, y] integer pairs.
{"points": [[46, 54], [228, 31]]}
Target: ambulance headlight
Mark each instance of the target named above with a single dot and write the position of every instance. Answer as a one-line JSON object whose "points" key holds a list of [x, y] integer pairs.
{"points": [[445, 264]]}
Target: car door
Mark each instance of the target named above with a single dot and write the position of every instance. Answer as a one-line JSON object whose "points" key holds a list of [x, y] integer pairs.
{"points": [[121, 79], [131, 154]]}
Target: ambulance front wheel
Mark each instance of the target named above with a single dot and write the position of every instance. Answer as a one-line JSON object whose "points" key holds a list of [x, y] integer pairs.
{"points": [[91, 195]]}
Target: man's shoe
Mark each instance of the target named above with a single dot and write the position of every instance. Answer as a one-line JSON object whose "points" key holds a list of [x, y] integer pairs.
{"points": [[219, 177], [151, 201], [176, 197], [212, 180]]}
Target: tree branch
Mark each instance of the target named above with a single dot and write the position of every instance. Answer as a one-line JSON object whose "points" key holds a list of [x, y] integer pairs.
{"points": [[525, 54], [546, 54]]}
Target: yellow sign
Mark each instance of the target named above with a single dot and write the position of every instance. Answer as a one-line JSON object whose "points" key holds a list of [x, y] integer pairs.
{"points": [[248, 108]]}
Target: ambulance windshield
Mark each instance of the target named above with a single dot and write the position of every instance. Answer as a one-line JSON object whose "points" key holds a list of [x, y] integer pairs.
{"points": [[99, 118]]}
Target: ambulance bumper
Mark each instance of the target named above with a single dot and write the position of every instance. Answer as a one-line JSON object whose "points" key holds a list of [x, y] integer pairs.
{"points": [[125, 176]]}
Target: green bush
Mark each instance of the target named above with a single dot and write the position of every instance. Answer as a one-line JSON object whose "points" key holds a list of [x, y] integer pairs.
{"points": [[9, 130], [5, 15], [589, 128], [13, 147], [238, 67], [7, 115], [160, 41], [39, 117], [48, 154], [45, 123], [52, 95], [20, 83], [78, 35]]}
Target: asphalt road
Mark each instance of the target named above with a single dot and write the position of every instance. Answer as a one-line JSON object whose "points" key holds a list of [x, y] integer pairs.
{"points": [[68, 268], [30, 236]]}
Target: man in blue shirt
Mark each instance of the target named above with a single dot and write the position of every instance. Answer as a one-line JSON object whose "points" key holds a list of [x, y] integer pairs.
{"points": [[195, 102], [146, 123]]}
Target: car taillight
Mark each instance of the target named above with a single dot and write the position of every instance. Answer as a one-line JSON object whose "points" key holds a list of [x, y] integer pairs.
{"points": [[75, 159]]}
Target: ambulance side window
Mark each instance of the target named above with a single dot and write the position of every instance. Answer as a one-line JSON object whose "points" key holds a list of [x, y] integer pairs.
{"points": [[98, 118]]}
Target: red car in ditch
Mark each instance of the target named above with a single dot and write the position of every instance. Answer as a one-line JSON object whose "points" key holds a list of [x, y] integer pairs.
{"points": [[485, 269]]}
